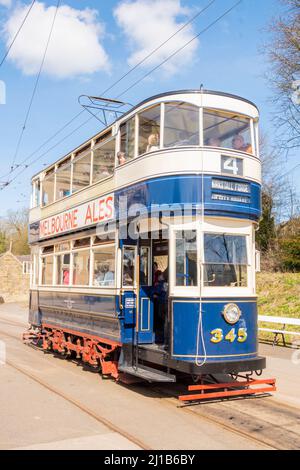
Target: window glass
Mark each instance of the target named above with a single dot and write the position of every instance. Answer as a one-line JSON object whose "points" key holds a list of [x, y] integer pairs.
{"points": [[64, 246], [227, 130], [81, 170], [36, 270], [63, 269], [82, 242], [63, 180], [186, 258], [104, 266], [225, 260], [144, 267], [128, 268], [48, 188], [48, 249], [81, 268], [181, 125], [103, 160], [47, 270], [149, 130], [127, 132], [36, 188]]}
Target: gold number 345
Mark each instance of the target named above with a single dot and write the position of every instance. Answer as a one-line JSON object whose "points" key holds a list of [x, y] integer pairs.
{"points": [[218, 335]]}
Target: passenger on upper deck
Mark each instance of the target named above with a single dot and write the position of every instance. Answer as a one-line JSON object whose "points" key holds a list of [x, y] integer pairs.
{"points": [[214, 142], [238, 143], [121, 158], [153, 143]]}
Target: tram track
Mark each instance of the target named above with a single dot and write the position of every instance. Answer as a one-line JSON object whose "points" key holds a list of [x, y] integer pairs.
{"points": [[221, 414]]}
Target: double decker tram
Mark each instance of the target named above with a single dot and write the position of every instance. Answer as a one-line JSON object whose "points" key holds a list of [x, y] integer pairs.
{"points": [[143, 242]]}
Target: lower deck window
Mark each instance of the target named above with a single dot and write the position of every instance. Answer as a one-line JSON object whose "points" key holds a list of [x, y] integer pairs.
{"points": [[225, 260], [63, 269], [104, 266], [47, 270], [186, 258], [81, 268]]}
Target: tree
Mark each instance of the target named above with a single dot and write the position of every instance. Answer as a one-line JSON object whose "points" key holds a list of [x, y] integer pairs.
{"points": [[284, 57], [3, 242], [17, 231]]}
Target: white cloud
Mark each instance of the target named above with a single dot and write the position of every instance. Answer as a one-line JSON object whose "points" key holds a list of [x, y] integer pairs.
{"points": [[148, 23], [5, 3], [75, 47]]}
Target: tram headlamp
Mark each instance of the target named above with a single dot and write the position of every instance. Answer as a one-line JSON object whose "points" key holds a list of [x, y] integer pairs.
{"points": [[232, 313]]}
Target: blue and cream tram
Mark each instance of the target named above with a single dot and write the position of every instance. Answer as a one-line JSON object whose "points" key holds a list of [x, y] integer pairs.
{"points": [[143, 241]]}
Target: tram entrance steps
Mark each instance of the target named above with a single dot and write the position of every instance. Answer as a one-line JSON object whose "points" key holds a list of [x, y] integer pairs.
{"points": [[129, 366], [235, 389], [147, 373]]}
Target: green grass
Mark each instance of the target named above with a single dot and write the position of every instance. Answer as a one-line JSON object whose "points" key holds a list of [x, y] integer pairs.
{"points": [[278, 295]]}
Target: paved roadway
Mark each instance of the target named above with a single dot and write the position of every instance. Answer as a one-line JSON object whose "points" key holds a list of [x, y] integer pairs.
{"points": [[34, 417]]}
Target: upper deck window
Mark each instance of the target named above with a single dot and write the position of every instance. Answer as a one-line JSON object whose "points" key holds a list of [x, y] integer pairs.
{"points": [[149, 130], [63, 179], [227, 130], [127, 144], [181, 125], [81, 169], [48, 188], [103, 160]]}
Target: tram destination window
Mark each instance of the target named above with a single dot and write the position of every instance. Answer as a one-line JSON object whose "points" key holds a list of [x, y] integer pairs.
{"points": [[181, 125], [127, 132], [149, 130], [81, 169], [186, 258], [103, 160], [104, 266], [225, 260], [128, 267], [227, 130]]}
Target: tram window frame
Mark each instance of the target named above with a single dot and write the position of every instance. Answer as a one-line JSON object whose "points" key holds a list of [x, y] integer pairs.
{"points": [[128, 144], [43, 260], [155, 127], [112, 262], [81, 154], [178, 106], [75, 253], [133, 284], [63, 167], [49, 177], [227, 116], [97, 147], [212, 283]]}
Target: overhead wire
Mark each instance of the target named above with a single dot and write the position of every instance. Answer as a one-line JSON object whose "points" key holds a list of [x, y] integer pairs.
{"points": [[135, 83]]}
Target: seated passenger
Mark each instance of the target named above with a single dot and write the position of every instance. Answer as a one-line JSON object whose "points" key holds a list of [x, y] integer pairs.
{"points": [[238, 143], [214, 142], [121, 158], [153, 143]]}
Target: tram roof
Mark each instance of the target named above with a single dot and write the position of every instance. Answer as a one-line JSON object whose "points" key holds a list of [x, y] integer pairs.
{"points": [[141, 103]]}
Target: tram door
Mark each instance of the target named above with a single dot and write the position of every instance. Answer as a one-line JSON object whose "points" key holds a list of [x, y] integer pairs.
{"points": [[136, 297]]}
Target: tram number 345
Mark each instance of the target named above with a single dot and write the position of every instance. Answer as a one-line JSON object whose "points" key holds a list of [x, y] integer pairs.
{"points": [[218, 335]]}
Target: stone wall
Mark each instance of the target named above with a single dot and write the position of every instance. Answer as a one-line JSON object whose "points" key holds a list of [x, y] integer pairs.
{"points": [[14, 285]]}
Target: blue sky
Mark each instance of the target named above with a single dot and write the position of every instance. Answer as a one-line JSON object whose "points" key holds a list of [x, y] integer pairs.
{"points": [[226, 58]]}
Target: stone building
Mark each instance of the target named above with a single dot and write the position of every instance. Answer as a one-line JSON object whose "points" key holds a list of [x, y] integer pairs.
{"points": [[14, 277]]}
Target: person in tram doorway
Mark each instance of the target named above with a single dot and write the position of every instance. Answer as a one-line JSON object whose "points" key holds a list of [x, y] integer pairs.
{"points": [[160, 295]]}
